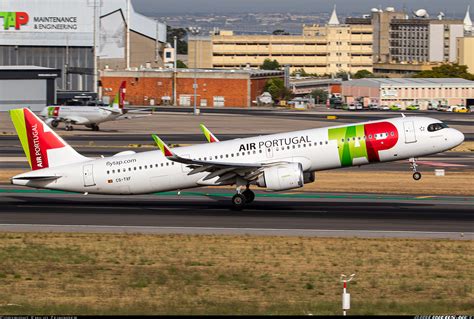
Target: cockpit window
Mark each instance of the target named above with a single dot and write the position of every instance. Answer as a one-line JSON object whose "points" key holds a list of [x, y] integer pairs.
{"points": [[436, 127]]}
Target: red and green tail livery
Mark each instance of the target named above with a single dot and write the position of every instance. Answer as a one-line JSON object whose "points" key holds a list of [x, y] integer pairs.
{"points": [[42, 146]]}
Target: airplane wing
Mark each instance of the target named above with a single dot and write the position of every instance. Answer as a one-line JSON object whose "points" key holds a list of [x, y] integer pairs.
{"points": [[209, 136], [130, 117], [111, 110], [68, 119], [223, 170]]}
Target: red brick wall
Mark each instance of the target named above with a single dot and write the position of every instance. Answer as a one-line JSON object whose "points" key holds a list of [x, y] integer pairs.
{"points": [[139, 92], [256, 88]]}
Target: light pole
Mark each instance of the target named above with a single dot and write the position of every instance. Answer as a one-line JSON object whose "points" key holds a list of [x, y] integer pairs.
{"points": [[195, 31]]}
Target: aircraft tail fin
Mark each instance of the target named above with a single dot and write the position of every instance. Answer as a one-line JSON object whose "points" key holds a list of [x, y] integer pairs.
{"points": [[120, 96], [42, 146]]}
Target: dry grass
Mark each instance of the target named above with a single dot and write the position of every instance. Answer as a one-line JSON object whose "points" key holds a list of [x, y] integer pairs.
{"points": [[467, 146], [453, 183], [184, 274]]}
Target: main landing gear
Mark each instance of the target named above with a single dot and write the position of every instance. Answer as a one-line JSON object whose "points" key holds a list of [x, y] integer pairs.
{"points": [[95, 127], [416, 174], [69, 127], [242, 198]]}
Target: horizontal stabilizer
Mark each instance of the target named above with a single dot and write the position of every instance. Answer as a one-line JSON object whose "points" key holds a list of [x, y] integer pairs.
{"points": [[38, 178]]}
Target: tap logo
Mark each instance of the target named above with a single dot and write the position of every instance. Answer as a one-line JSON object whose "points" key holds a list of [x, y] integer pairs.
{"points": [[14, 19]]}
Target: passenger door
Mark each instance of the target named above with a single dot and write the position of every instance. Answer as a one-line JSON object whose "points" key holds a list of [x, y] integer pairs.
{"points": [[410, 136], [88, 174]]}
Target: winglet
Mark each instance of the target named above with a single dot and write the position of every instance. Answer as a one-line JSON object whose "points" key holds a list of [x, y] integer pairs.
{"points": [[209, 136], [163, 147]]}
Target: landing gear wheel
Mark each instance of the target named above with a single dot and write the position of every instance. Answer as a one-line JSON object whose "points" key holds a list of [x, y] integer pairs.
{"points": [[239, 201], [95, 127], [69, 128], [417, 176], [55, 123], [249, 196]]}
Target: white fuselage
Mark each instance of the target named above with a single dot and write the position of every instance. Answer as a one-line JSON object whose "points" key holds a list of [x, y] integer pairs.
{"points": [[81, 115], [316, 149]]}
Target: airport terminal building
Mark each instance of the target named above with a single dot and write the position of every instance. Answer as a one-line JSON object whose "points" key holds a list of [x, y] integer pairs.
{"points": [[63, 34]]}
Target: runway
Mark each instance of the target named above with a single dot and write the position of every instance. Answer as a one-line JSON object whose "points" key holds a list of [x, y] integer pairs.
{"points": [[204, 211]]}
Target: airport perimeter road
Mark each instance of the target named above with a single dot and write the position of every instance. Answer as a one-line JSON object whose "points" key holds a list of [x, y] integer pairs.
{"points": [[204, 211]]}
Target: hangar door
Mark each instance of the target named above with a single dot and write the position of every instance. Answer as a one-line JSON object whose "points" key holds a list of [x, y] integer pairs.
{"points": [[22, 93]]}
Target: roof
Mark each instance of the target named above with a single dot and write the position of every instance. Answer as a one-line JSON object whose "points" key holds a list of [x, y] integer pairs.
{"points": [[377, 82], [251, 72], [24, 68], [138, 22]]}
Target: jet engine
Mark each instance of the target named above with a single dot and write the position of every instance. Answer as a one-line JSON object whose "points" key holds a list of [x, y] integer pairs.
{"points": [[282, 177]]}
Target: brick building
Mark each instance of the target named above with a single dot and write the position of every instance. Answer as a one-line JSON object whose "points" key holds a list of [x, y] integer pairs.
{"points": [[215, 88]]}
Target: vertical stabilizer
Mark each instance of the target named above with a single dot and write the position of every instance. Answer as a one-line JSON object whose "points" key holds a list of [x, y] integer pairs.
{"points": [[42, 146], [120, 96]]}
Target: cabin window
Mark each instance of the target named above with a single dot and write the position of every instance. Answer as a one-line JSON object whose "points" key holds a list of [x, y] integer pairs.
{"points": [[342, 139], [321, 143], [145, 167], [130, 169], [118, 171], [326, 142], [231, 154], [391, 133], [108, 172], [260, 151], [370, 136], [222, 156], [226, 155], [299, 146]]}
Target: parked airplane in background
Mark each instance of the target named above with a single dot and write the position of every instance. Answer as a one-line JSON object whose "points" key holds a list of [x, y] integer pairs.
{"points": [[276, 162], [90, 116]]}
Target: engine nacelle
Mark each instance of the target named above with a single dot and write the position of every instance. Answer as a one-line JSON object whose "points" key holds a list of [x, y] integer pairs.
{"points": [[309, 177], [282, 177]]}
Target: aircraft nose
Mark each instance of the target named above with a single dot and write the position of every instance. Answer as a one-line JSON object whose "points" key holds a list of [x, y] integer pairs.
{"points": [[457, 137]]}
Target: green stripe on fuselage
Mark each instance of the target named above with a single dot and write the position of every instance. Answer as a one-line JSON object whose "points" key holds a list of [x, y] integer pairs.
{"points": [[350, 142]]}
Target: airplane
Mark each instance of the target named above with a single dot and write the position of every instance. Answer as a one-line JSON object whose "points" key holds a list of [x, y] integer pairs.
{"points": [[90, 116], [276, 162]]}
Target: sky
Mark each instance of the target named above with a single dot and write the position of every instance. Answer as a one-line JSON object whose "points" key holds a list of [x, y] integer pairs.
{"points": [[163, 7]]}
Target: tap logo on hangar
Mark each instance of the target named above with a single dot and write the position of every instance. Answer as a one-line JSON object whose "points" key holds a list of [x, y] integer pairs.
{"points": [[14, 19]]}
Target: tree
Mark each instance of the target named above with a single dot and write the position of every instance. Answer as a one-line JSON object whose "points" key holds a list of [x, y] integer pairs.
{"points": [[181, 65], [343, 75], [361, 74], [180, 34], [270, 65], [276, 88], [447, 71], [319, 95], [280, 32], [301, 72]]}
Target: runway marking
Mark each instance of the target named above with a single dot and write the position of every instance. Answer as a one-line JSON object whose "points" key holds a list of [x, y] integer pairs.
{"points": [[244, 230]]}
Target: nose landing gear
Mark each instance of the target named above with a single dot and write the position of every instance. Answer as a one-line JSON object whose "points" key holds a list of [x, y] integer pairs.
{"points": [[416, 174]]}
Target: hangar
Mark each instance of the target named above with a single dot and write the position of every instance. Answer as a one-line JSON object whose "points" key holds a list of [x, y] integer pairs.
{"points": [[27, 86]]}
